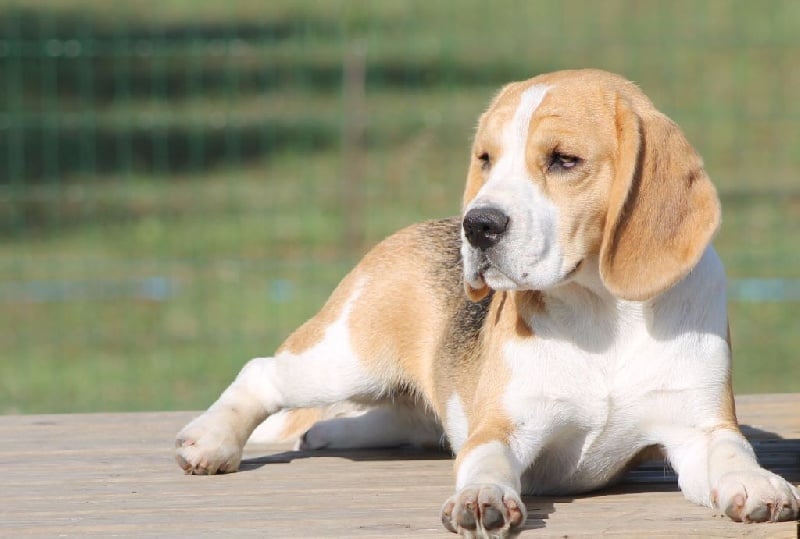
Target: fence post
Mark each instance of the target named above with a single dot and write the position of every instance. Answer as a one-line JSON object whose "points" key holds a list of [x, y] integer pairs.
{"points": [[353, 145]]}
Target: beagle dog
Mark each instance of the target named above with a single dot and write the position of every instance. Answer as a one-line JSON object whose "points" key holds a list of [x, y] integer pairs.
{"points": [[570, 322]]}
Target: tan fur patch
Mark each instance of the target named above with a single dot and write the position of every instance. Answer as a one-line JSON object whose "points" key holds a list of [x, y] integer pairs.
{"points": [[398, 320], [507, 319], [394, 325], [299, 420], [313, 330], [514, 309], [728, 404], [476, 294]]}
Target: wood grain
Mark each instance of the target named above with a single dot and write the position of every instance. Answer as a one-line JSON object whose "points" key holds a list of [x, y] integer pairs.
{"points": [[106, 475]]}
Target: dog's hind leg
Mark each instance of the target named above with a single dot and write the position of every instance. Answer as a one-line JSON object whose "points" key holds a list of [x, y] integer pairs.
{"points": [[290, 424], [393, 424], [317, 366], [375, 339]]}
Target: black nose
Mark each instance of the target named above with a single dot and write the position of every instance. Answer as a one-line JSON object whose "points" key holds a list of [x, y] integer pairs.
{"points": [[484, 227]]}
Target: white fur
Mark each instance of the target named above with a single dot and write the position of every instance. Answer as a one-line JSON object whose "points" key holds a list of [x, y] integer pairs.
{"points": [[389, 425], [271, 429], [493, 463], [329, 371], [457, 423]]}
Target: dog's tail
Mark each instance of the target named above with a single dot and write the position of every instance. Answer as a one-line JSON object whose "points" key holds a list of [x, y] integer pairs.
{"points": [[290, 425]]}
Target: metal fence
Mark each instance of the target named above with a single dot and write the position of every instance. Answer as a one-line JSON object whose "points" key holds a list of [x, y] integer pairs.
{"points": [[182, 183]]}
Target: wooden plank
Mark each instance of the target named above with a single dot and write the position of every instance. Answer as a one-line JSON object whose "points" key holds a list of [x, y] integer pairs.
{"points": [[114, 474]]}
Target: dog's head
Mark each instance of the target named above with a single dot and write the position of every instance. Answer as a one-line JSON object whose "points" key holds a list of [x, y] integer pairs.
{"points": [[576, 169]]}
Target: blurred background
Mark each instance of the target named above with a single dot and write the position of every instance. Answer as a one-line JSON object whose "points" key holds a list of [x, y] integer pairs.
{"points": [[182, 182]]}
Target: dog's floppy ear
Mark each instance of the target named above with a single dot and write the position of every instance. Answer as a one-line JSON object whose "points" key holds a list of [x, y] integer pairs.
{"points": [[663, 209]]}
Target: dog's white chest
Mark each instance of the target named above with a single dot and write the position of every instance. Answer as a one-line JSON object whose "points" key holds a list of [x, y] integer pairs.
{"points": [[591, 391], [583, 409]]}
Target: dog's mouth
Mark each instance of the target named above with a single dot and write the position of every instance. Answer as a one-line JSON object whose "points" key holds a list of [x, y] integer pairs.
{"points": [[488, 273], [475, 270], [476, 279]]}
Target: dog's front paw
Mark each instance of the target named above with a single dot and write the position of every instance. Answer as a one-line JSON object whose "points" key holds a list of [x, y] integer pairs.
{"points": [[756, 496], [208, 445], [483, 511]]}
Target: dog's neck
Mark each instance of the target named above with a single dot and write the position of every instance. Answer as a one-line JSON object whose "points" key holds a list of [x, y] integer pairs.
{"points": [[584, 289], [584, 310]]}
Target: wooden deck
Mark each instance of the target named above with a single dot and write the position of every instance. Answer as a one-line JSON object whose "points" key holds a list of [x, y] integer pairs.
{"points": [[114, 475]]}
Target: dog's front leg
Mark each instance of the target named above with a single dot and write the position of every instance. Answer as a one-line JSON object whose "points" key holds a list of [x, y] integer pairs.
{"points": [[741, 487], [488, 482], [718, 468]]}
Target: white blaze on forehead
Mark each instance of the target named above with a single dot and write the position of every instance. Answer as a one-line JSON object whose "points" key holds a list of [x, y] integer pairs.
{"points": [[515, 134]]}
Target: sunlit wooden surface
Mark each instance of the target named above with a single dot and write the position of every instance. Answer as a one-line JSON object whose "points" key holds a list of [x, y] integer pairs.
{"points": [[109, 475]]}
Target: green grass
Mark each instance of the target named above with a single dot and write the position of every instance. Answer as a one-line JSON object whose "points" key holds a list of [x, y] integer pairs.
{"points": [[179, 146], [759, 239]]}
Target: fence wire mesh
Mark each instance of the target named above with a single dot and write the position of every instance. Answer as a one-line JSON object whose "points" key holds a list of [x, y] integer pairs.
{"points": [[183, 182]]}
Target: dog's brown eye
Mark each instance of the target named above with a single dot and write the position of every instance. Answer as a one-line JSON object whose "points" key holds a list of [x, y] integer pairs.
{"points": [[486, 161], [561, 162]]}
